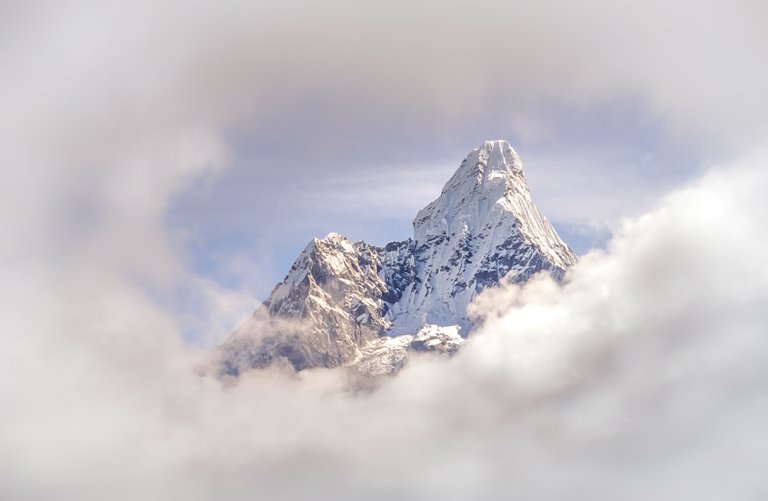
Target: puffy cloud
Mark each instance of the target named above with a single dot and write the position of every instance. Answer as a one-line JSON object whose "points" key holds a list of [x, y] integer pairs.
{"points": [[641, 377]]}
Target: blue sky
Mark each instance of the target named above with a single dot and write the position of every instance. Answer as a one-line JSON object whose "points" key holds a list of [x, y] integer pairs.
{"points": [[587, 169], [350, 117], [208, 144]]}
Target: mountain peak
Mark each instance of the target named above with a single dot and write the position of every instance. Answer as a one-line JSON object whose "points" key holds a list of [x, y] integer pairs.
{"points": [[485, 175], [333, 237], [332, 241], [499, 156], [490, 163], [482, 227], [364, 305], [488, 174]]}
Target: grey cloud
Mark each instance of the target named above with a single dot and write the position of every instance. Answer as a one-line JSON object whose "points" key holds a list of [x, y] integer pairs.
{"points": [[110, 104], [421, 62]]}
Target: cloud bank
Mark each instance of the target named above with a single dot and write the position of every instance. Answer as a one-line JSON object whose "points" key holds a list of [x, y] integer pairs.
{"points": [[640, 378]]}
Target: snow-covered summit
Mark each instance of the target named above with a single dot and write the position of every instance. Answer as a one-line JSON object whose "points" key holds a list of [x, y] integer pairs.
{"points": [[482, 227], [354, 301], [492, 167], [489, 186]]}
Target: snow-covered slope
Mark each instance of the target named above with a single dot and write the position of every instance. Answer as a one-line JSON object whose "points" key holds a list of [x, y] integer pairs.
{"points": [[357, 304], [482, 227]]}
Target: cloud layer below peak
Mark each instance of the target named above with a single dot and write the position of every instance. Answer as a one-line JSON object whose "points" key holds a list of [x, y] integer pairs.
{"points": [[640, 378]]}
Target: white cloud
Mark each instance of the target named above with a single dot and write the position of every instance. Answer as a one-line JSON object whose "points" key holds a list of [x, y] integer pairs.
{"points": [[641, 378]]}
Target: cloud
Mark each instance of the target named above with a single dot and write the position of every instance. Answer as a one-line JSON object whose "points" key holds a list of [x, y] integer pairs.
{"points": [[300, 91], [321, 74], [640, 378]]}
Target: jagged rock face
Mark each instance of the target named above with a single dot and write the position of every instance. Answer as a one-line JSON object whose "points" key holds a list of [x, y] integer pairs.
{"points": [[370, 306], [334, 292], [397, 265]]}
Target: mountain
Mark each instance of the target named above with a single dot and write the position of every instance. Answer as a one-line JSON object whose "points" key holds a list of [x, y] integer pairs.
{"points": [[355, 304]]}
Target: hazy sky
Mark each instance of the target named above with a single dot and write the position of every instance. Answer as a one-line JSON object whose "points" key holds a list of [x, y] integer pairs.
{"points": [[307, 118], [349, 117], [163, 163]]}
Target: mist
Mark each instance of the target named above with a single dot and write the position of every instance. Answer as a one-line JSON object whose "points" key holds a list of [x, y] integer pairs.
{"points": [[641, 376]]}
